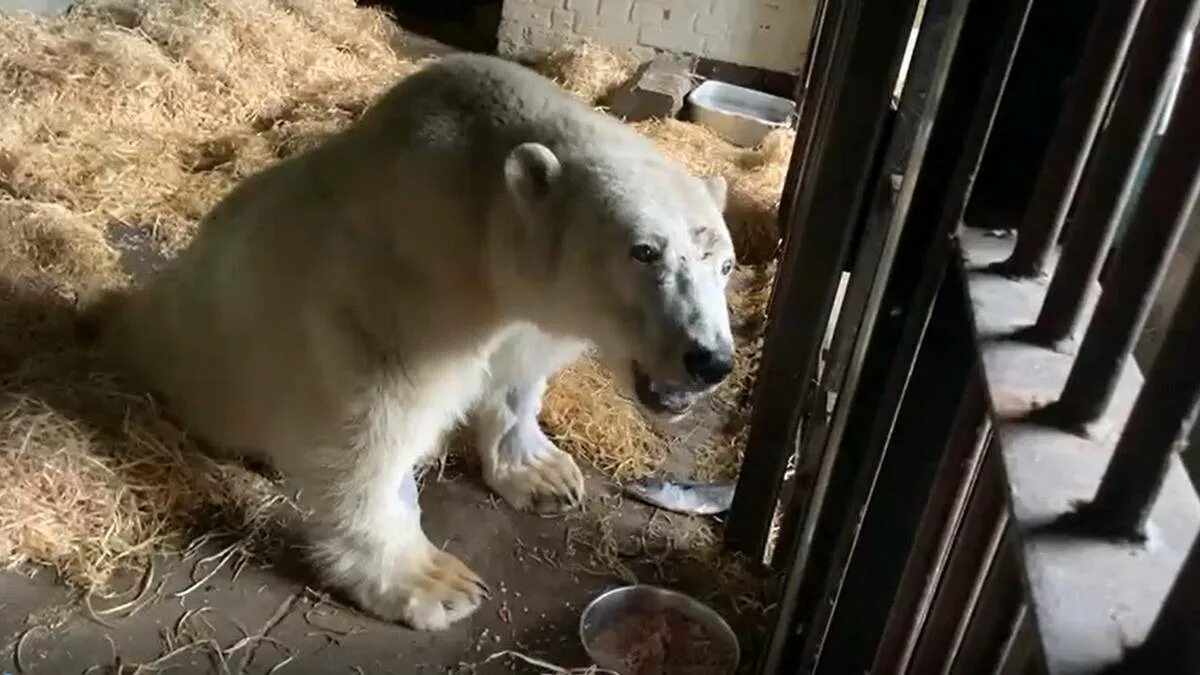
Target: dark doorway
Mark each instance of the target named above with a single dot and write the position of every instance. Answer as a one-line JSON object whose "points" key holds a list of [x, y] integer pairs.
{"points": [[465, 24]]}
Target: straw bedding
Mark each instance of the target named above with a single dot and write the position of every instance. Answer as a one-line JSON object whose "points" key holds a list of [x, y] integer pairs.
{"points": [[121, 123], [588, 70]]}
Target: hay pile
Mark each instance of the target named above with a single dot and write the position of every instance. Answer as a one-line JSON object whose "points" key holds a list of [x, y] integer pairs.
{"points": [[146, 112], [91, 476], [120, 125], [123, 122], [587, 70]]}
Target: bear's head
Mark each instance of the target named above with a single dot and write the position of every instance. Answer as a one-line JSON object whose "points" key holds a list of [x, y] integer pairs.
{"points": [[631, 252]]}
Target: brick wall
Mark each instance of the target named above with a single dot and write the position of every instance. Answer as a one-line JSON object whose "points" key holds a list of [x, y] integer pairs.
{"points": [[769, 34]]}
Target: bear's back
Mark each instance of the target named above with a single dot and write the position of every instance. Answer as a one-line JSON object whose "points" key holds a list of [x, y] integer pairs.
{"points": [[484, 105]]}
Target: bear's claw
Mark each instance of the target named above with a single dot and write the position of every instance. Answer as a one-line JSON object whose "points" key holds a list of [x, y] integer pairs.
{"points": [[430, 595], [532, 474]]}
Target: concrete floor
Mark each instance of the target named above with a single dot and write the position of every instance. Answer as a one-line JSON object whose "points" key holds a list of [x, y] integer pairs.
{"points": [[535, 608]]}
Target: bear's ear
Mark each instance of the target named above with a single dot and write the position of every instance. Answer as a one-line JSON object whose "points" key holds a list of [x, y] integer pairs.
{"points": [[530, 171], [717, 187]]}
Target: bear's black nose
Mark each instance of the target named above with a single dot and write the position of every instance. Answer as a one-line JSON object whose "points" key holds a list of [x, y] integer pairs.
{"points": [[707, 366]]}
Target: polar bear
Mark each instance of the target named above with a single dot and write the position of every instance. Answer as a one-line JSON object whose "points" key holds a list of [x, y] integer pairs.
{"points": [[475, 231]]}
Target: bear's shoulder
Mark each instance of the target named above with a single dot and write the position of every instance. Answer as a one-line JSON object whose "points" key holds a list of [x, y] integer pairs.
{"points": [[469, 96]]}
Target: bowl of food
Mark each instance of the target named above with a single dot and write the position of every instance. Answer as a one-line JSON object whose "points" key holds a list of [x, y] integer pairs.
{"points": [[646, 630]]}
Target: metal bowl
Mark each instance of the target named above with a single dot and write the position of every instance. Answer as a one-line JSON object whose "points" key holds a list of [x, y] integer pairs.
{"points": [[618, 603]]}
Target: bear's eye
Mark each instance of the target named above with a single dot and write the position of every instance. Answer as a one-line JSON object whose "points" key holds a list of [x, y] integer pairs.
{"points": [[645, 253], [726, 267]]}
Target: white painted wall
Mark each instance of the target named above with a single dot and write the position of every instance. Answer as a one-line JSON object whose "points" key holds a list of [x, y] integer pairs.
{"points": [[35, 6], [770, 34]]}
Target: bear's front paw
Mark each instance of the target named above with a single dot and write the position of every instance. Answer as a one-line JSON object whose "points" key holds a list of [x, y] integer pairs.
{"points": [[428, 593], [530, 473]]}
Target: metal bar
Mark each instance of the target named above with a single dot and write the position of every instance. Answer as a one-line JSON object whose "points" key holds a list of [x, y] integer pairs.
{"points": [[810, 91], [1160, 424], [1173, 644], [870, 46], [958, 136], [978, 583], [995, 615], [973, 543], [1095, 79], [868, 586], [1191, 454], [943, 516], [1106, 193], [893, 191], [830, 43], [1020, 648], [856, 305], [897, 173], [894, 175], [1090, 596], [1157, 223]]}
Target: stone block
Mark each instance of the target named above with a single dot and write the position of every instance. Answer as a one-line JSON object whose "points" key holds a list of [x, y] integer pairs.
{"points": [[656, 90]]}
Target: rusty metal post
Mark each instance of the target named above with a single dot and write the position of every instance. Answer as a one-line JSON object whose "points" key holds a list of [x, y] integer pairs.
{"points": [[1106, 193], [1103, 55], [1160, 424], [1157, 426], [868, 41], [1157, 222]]}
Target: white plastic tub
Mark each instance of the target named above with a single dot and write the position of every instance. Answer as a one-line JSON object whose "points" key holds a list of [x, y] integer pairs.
{"points": [[739, 115]]}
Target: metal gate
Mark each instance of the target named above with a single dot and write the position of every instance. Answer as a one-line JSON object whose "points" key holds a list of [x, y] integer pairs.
{"points": [[960, 483]]}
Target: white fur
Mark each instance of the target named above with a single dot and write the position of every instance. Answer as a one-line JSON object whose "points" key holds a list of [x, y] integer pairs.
{"points": [[519, 462], [338, 313]]}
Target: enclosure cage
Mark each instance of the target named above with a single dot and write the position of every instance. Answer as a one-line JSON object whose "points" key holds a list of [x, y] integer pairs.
{"points": [[955, 464]]}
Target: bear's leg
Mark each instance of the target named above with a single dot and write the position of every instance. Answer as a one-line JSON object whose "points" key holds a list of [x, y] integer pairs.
{"points": [[366, 531], [519, 462]]}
